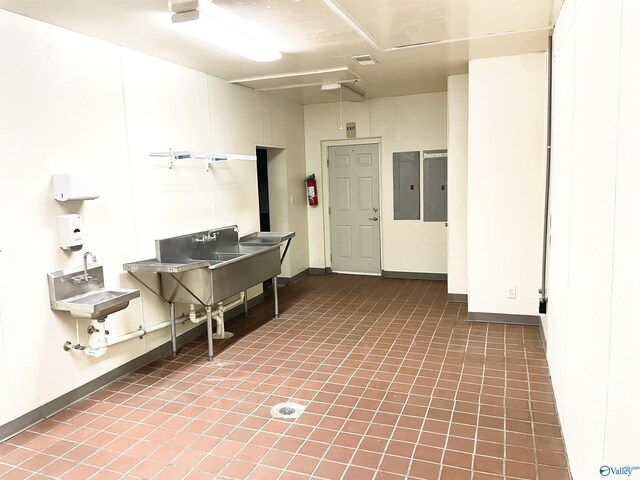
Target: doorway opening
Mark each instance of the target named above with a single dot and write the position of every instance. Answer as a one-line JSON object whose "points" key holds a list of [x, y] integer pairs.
{"points": [[263, 189], [272, 191]]}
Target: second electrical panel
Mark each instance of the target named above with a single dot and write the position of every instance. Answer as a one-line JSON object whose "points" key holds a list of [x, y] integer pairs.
{"points": [[435, 185]]}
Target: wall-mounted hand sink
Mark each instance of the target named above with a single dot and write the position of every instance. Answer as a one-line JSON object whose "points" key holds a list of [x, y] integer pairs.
{"points": [[84, 295], [98, 303]]}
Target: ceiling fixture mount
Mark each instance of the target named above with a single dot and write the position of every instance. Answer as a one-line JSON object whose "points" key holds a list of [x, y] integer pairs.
{"points": [[346, 93], [308, 78], [365, 59], [210, 23]]}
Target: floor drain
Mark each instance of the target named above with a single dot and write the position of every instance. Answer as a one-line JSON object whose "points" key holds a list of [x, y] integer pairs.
{"points": [[287, 410]]}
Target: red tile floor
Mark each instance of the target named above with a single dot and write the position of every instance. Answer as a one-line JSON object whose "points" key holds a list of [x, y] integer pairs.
{"points": [[396, 384]]}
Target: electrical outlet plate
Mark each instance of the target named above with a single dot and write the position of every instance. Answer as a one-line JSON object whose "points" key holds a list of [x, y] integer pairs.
{"points": [[511, 293]]}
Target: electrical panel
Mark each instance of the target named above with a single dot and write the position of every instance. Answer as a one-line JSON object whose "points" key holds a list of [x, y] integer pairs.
{"points": [[435, 185], [406, 185]]}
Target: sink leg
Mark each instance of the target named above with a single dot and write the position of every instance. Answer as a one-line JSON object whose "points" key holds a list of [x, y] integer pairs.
{"points": [[275, 294], [209, 331], [172, 317], [246, 306]]}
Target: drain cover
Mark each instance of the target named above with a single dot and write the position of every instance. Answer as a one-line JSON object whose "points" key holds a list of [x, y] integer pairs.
{"points": [[287, 410]]}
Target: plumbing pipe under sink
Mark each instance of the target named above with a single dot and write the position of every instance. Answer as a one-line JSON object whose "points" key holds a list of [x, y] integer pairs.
{"points": [[100, 348], [217, 315], [196, 317]]}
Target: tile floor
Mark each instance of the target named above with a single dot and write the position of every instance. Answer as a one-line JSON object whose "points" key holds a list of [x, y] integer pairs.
{"points": [[396, 383]]}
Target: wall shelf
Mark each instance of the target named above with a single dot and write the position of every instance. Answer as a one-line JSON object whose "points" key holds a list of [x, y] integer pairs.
{"points": [[199, 159]]}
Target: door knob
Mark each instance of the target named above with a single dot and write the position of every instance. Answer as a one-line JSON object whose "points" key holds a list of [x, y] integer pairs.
{"points": [[375, 219]]}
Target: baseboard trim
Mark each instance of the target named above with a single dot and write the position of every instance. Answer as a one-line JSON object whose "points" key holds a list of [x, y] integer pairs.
{"points": [[284, 281], [504, 318], [415, 275], [49, 409], [458, 297], [320, 271], [543, 338]]}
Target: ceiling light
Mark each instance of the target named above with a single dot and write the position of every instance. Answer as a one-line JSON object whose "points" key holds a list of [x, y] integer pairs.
{"points": [[349, 94], [330, 86], [365, 59], [212, 24]]}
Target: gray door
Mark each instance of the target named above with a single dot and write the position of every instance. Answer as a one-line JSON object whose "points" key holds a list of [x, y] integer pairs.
{"points": [[354, 209]]}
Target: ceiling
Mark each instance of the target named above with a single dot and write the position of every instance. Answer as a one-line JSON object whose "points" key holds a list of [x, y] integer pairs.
{"points": [[417, 43]]}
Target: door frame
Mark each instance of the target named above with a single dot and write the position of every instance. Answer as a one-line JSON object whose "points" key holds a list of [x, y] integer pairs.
{"points": [[326, 221], [278, 194]]}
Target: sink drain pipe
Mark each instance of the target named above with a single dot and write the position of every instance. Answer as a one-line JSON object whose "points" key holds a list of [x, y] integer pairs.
{"points": [[217, 314], [101, 349]]}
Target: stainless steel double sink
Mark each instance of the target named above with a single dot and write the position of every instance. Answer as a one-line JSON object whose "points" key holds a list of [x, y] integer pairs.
{"points": [[210, 266]]}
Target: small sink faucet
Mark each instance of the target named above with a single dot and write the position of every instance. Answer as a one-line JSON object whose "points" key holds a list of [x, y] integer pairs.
{"points": [[210, 236], [86, 274]]}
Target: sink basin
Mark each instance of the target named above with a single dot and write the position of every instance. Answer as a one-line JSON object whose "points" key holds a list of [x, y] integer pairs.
{"points": [[87, 297], [222, 256], [98, 303], [209, 266]]}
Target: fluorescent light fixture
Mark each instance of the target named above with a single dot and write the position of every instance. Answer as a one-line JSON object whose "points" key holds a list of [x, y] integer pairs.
{"points": [[330, 86], [348, 94], [310, 77], [215, 25]]}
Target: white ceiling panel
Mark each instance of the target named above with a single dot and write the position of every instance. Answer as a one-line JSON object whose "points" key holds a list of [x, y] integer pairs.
{"points": [[402, 22], [315, 37]]}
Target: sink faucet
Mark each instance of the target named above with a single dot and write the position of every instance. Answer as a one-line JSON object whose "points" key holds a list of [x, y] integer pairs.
{"points": [[93, 257], [206, 237]]}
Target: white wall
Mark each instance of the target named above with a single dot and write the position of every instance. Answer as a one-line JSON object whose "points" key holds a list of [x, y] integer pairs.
{"points": [[507, 138], [413, 122], [71, 103], [457, 146], [322, 122], [592, 320], [283, 125], [62, 111]]}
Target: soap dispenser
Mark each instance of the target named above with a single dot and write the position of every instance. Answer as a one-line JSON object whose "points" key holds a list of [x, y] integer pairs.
{"points": [[70, 232]]}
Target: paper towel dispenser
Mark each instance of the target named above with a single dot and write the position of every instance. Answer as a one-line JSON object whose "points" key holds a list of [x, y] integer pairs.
{"points": [[67, 186]]}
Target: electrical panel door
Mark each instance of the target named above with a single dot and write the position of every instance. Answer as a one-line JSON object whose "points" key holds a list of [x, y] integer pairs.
{"points": [[406, 185], [435, 185]]}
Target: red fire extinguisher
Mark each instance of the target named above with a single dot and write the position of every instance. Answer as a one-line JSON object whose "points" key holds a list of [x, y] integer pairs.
{"points": [[312, 189]]}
